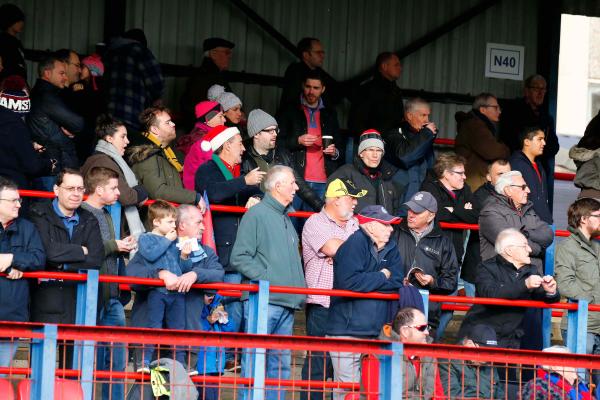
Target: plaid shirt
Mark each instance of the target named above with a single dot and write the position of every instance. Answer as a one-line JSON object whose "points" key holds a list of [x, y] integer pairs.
{"points": [[318, 272], [134, 80]]}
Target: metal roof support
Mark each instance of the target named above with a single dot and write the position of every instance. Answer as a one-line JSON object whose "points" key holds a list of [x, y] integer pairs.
{"points": [[434, 34]]}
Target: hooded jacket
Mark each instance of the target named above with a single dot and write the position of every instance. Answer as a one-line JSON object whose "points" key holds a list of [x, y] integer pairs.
{"points": [[357, 266], [587, 177], [577, 272], [158, 176], [477, 140], [382, 191], [537, 184], [498, 278], [499, 214]]}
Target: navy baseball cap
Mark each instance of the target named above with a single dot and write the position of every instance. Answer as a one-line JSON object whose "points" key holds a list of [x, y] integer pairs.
{"points": [[377, 214]]}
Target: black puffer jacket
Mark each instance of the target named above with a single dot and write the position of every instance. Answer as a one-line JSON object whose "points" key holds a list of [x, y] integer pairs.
{"points": [[434, 254], [381, 191], [292, 123], [48, 115], [280, 156]]}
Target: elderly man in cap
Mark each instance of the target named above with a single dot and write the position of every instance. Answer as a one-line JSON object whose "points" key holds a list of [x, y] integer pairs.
{"points": [[264, 153], [217, 57], [472, 379], [367, 262], [322, 236], [428, 256]]}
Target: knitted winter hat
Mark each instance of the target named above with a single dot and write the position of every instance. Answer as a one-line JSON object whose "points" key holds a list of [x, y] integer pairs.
{"points": [[370, 138], [206, 110], [229, 100], [214, 92], [14, 95], [217, 136], [259, 120], [94, 64]]}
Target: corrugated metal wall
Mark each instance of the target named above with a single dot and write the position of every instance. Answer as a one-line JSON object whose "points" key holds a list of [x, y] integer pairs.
{"points": [[55, 24], [353, 33]]}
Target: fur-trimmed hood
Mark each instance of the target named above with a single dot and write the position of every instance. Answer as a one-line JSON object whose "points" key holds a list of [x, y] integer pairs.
{"points": [[142, 152], [581, 154]]}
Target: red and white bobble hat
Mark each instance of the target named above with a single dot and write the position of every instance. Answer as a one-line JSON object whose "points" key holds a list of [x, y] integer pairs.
{"points": [[217, 136]]}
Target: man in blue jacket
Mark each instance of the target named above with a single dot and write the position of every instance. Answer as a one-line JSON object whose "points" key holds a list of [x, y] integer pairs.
{"points": [[21, 250], [367, 262]]}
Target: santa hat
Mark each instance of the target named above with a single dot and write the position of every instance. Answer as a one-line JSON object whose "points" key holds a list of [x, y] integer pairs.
{"points": [[217, 136]]}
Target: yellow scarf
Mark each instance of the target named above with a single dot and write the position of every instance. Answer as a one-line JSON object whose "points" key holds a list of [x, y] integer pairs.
{"points": [[169, 153]]}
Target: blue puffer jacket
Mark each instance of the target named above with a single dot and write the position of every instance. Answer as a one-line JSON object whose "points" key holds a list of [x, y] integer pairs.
{"points": [[22, 239], [357, 267], [158, 253]]}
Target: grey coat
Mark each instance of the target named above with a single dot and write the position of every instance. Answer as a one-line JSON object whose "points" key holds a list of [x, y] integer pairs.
{"points": [[499, 214], [577, 271]]}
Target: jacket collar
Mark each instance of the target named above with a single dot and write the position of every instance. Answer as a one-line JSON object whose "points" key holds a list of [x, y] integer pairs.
{"points": [[436, 231], [270, 202], [381, 253], [209, 65], [506, 201], [386, 169], [504, 263], [577, 235]]}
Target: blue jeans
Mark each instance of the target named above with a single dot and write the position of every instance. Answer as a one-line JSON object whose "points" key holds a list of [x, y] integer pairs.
{"points": [[469, 289], [280, 321], [233, 306], [170, 309], [112, 357], [317, 364], [301, 205], [445, 318]]}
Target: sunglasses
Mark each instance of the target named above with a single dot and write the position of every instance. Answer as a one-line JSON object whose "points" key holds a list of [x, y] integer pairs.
{"points": [[420, 328]]}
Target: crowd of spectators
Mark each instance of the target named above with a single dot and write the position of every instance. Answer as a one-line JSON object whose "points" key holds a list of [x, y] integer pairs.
{"points": [[71, 133]]}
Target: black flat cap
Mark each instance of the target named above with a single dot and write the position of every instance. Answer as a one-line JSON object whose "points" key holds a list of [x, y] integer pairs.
{"points": [[214, 42]]}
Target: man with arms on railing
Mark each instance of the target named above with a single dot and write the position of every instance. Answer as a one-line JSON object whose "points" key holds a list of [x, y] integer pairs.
{"points": [[21, 250], [577, 266], [266, 248], [322, 236], [72, 240], [428, 256], [368, 261]]}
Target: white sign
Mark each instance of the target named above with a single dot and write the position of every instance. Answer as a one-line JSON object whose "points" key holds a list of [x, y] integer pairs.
{"points": [[504, 61]]}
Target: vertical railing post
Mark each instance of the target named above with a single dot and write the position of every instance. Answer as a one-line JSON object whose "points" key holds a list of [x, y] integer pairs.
{"points": [[548, 270], [43, 364], [425, 296], [390, 373], [83, 352], [577, 327], [254, 361]]}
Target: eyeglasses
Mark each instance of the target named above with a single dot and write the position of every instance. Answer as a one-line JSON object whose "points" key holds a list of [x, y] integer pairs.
{"points": [[18, 200], [523, 187], [271, 131], [538, 88], [420, 328], [73, 189], [461, 173], [589, 215], [496, 106]]}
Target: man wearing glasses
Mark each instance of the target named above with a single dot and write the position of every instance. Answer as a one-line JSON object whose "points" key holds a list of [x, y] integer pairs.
{"points": [[72, 241], [577, 266], [21, 250], [477, 138], [509, 207]]}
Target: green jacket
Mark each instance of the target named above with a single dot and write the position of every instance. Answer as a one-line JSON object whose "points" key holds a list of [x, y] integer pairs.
{"points": [[466, 380], [266, 248], [577, 272], [158, 176]]}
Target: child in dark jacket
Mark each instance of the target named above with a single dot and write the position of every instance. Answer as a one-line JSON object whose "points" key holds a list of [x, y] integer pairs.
{"points": [[158, 251], [211, 360]]}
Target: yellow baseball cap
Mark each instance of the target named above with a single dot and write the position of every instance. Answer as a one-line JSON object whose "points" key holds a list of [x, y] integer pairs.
{"points": [[339, 188]]}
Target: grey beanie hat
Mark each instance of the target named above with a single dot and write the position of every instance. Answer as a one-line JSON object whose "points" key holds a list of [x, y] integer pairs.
{"points": [[370, 138], [259, 120], [228, 100], [214, 92]]}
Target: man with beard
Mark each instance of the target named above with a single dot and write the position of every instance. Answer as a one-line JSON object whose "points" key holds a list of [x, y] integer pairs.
{"points": [[322, 236], [577, 266]]}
